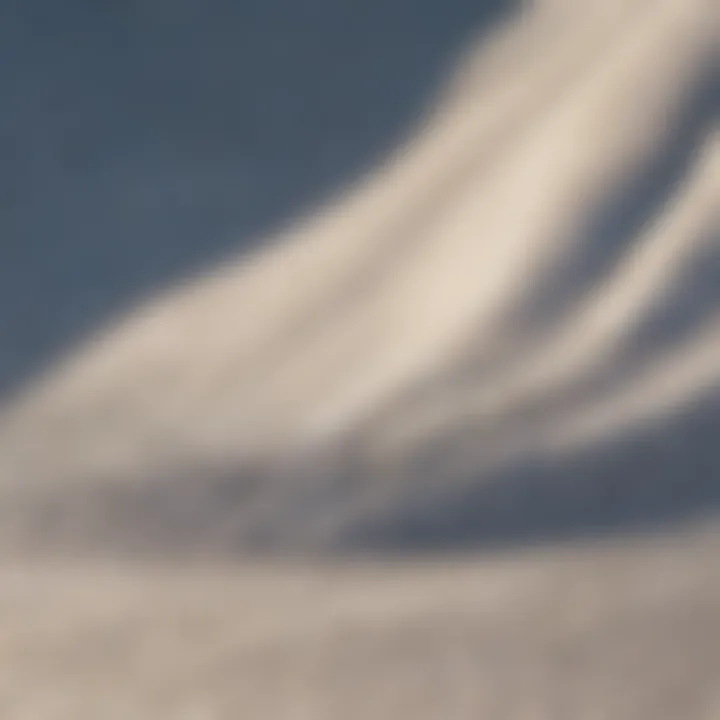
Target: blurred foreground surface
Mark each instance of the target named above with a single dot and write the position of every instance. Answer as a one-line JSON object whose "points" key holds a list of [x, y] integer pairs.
{"points": [[623, 632]]}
